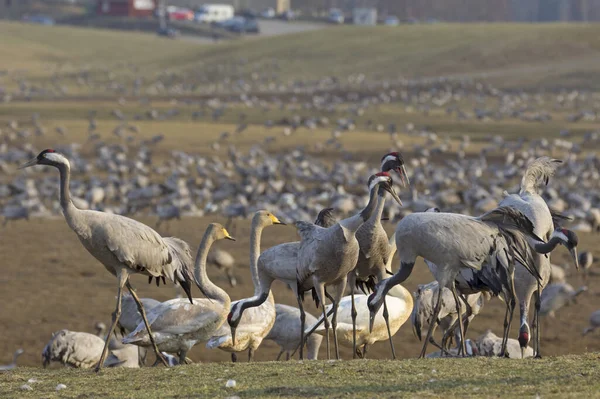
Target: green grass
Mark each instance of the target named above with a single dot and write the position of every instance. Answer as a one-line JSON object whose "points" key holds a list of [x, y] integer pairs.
{"points": [[561, 377], [510, 55]]}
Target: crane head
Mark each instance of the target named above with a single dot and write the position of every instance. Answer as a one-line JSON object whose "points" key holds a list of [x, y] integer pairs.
{"points": [[394, 161], [384, 180], [569, 239], [46, 157]]}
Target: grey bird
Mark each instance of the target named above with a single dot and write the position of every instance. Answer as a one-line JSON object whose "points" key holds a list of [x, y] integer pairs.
{"points": [[375, 250], [223, 260], [455, 242], [13, 364], [124, 246], [532, 205], [74, 349], [286, 332], [178, 325], [327, 255]]}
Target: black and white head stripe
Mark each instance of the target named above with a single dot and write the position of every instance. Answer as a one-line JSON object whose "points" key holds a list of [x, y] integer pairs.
{"points": [[52, 156], [381, 177], [390, 159]]}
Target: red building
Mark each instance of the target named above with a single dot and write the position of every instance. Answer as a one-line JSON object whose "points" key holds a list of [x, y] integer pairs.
{"points": [[126, 8]]}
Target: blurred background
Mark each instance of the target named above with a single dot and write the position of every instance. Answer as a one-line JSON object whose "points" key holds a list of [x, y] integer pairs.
{"points": [[179, 113]]}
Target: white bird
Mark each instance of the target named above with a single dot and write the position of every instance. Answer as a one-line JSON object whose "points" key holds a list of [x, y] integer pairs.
{"points": [[178, 325], [594, 322], [327, 255], [13, 364], [248, 330], [286, 332], [124, 246], [455, 242], [74, 349], [400, 305]]}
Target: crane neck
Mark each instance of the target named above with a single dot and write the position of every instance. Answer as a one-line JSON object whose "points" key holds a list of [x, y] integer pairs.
{"points": [[376, 216], [208, 288], [65, 181], [546, 247], [255, 237]]}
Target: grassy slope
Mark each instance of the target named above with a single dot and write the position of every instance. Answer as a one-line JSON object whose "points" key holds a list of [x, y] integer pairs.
{"points": [[569, 376], [509, 54]]}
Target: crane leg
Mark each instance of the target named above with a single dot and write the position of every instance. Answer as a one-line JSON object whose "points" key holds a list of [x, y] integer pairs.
{"points": [[320, 288], [436, 313], [386, 317], [287, 356], [335, 302], [122, 276], [279, 356], [364, 352], [182, 357], [250, 355], [538, 303], [463, 347], [510, 308], [353, 314], [231, 277], [145, 319], [233, 357], [302, 324]]}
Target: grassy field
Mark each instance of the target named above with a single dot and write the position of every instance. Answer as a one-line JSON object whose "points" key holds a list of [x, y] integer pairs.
{"points": [[560, 377], [510, 55]]}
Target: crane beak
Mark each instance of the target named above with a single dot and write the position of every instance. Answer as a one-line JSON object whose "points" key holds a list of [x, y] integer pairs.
{"points": [[233, 335], [573, 252], [371, 320], [401, 170], [29, 163], [230, 238], [390, 189], [523, 352]]}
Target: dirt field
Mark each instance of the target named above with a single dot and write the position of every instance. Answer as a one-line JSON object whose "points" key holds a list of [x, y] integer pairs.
{"points": [[50, 282]]}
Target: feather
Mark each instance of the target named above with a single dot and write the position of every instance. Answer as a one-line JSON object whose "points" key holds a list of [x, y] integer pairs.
{"points": [[539, 171], [181, 268]]}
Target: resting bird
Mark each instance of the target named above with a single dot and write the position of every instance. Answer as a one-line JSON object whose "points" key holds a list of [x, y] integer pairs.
{"points": [[124, 246], [74, 349]]}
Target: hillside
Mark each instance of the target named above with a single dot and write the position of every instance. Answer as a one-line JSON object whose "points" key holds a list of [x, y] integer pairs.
{"points": [[509, 55]]}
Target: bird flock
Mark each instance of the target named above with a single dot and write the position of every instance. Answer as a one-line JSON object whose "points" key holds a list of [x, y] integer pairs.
{"points": [[503, 251]]}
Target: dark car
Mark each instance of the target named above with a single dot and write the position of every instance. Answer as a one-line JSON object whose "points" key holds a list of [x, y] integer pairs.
{"points": [[240, 25], [168, 32]]}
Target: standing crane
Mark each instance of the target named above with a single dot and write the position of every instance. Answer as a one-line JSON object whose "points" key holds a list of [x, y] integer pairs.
{"points": [[124, 246], [327, 255], [455, 242], [532, 205]]}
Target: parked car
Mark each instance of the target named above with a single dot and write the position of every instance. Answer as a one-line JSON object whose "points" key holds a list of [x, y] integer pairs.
{"points": [[38, 19], [335, 16], [210, 13], [391, 20], [168, 32], [268, 13], [239, 25], [287, 15], [180, 14]]}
